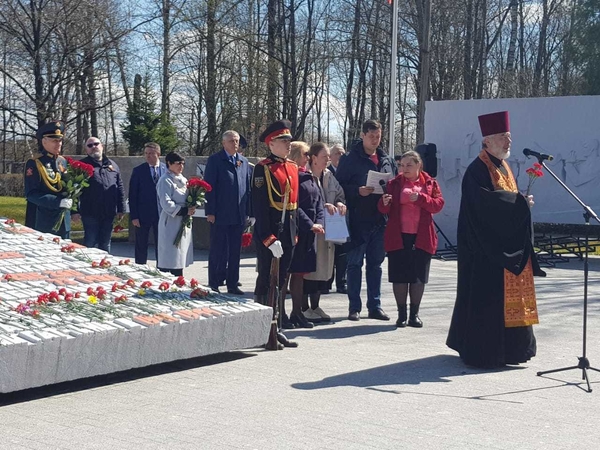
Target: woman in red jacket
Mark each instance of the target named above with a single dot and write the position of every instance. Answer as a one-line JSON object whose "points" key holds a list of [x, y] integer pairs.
{"points": [[410, 237]]}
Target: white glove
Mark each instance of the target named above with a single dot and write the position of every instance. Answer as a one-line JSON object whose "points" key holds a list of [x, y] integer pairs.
{"points": [[66, 203], [276, 249], [250, 221]]}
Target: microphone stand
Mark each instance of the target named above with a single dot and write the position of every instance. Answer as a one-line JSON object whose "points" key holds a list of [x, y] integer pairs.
{"points": [[584, 363]]}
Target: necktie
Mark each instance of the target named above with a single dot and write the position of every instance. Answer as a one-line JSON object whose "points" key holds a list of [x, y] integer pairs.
{"points": [[154, 174]]}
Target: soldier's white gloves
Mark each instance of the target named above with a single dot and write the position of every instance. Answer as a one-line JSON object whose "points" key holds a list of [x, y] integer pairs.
{"points": [[66, 203], [250, 221], [276, 249]]}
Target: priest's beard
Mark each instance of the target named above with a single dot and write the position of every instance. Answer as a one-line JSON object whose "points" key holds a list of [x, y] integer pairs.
{"points": [[505, 155]]}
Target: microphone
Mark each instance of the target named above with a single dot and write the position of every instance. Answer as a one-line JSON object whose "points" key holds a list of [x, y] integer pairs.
{"points": [[540, 156], [383, 186]]}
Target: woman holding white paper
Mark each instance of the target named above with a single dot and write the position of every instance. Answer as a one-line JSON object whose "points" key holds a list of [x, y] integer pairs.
{"points": [[333, 194]]}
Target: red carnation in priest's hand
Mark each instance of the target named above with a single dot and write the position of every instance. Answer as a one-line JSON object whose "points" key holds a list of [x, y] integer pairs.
{"points": [[246, 240], [534, 173]]}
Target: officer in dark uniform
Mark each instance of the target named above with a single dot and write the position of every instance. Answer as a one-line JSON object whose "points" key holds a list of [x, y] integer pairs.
{"points": [[275, 178], [43, 185]]}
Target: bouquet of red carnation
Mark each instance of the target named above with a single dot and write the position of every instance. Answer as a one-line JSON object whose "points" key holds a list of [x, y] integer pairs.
{"points": [[196, 189], [74, 181], [534, 173]]}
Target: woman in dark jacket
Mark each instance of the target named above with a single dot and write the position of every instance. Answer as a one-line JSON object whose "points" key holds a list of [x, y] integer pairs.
{"points": [[410, 238], [310, 223]]}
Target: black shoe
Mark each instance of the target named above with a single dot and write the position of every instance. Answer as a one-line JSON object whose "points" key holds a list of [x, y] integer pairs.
{"points": [[286, 323], [235, 291], [378, 314], [401, 322], [341, 290], [283, 340], [215, 289], [239, 283], [354, 316], [413, 320], [300, 321], [325, 292]]}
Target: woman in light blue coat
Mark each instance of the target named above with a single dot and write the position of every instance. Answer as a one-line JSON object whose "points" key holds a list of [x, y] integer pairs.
{"points": [[171, 189]]}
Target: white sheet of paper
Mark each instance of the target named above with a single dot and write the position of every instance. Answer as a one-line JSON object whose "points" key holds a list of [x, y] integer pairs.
{"points": [[373, 179], [336, 229]]}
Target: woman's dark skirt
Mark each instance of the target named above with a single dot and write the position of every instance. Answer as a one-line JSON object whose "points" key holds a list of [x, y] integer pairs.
{"points": [[314, 286], [408, 265]]}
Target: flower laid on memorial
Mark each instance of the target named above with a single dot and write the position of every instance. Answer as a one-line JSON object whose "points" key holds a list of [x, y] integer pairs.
{"points": [[124, 262], [534, 173], [196, 190], [68, 248], [10, 222], [121, 299], [179, 281], [199, 293], [164, 286], [194, 283], [74, 181]]}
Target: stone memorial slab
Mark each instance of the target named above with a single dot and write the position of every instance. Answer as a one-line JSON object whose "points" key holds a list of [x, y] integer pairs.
{"points": [[69, 312]]}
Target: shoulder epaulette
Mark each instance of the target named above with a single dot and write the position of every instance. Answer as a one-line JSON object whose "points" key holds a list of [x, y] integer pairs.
{"points": [[264, 162]]}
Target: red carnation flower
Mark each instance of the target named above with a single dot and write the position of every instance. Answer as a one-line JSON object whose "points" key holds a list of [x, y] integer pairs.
{"points": [[246, 239], [179, 281]]}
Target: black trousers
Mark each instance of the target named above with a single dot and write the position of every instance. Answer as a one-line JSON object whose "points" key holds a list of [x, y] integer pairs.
{"points": [[263, 259], [224, 255], [339, 268], [142, 234]]}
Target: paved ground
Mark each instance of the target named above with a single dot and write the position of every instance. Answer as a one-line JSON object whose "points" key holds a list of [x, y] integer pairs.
{"points": [[349, 385]]}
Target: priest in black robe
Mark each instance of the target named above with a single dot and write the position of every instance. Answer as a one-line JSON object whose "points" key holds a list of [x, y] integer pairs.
{"points": [[495, 303]]}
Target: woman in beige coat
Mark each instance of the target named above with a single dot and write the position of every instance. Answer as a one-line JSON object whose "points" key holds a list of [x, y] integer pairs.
{"points": [[316, 282]]}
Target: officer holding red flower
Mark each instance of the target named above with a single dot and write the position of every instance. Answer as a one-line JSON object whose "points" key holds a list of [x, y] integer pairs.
{"points": [[46, 198]]}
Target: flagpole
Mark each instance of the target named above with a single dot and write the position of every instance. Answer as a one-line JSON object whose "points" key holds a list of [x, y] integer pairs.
{"points": [[394, 76]]}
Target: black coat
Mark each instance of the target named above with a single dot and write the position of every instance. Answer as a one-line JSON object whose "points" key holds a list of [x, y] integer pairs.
{"points": [[351, 173], [310, 212], [494, 234], [104, 197]]}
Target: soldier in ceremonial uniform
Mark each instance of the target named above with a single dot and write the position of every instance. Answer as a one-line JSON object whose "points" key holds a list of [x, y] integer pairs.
{"points": [[275, 178], [43, 186]]}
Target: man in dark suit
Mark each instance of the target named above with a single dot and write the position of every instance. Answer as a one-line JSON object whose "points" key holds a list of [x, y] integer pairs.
{"points": [[227, 210], [143, 203]]}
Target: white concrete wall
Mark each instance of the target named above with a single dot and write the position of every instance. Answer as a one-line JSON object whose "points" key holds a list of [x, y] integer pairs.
{"points": [[566, 127]]}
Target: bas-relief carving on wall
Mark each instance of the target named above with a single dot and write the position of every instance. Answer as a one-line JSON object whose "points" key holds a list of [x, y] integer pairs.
{"points": [[578, 167]]}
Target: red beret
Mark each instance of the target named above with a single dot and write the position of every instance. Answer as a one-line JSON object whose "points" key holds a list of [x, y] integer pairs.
{"points": [[494, 123]]}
